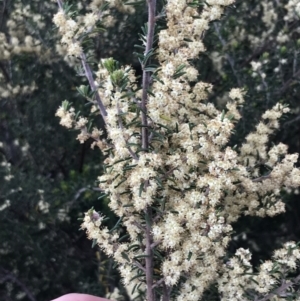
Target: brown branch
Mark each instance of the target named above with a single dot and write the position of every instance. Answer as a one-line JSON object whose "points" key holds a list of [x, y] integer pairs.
{"points": [[89, 76]]}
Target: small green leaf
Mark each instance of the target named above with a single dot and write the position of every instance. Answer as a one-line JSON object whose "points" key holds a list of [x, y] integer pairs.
{"points": [[223, 115], [94, 243], [116, 225], [133, 290], [102, 196], [141, 189], [83, 90], [125, 256], [159, 182], [123, 237], [110, 65], [65, 104], [140, 256]]}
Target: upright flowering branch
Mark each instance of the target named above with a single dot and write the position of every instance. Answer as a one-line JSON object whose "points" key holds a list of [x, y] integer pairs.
{"points": [[146, 74], [149, 260], [60, 5], [178, 193]]}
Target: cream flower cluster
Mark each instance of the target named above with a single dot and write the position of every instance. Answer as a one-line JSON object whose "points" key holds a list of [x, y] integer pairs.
{"points": [[72, 30], [66, 116], [254, 150], [293, 10], [92, 221], [67, 119], [108, 242], [174, 98], [196, 185], [239, 280], [68, 28], [118, 107]]}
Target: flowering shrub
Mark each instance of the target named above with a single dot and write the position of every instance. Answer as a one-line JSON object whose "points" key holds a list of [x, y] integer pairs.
{"points": [[171, 175], [251, 54]]}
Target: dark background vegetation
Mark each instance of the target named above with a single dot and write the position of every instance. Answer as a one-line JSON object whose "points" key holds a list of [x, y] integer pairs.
{"points": [[42, 252]]}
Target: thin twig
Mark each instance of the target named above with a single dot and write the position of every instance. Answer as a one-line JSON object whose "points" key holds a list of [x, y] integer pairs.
{"points": [[155, 244], [139, 265], [295, 62], [13, 278], [139, 226], [261, 178], [89, 75], [268, 44], [60, 4], [291, 121], [158, 283], [81, 190], [79, 193]]}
